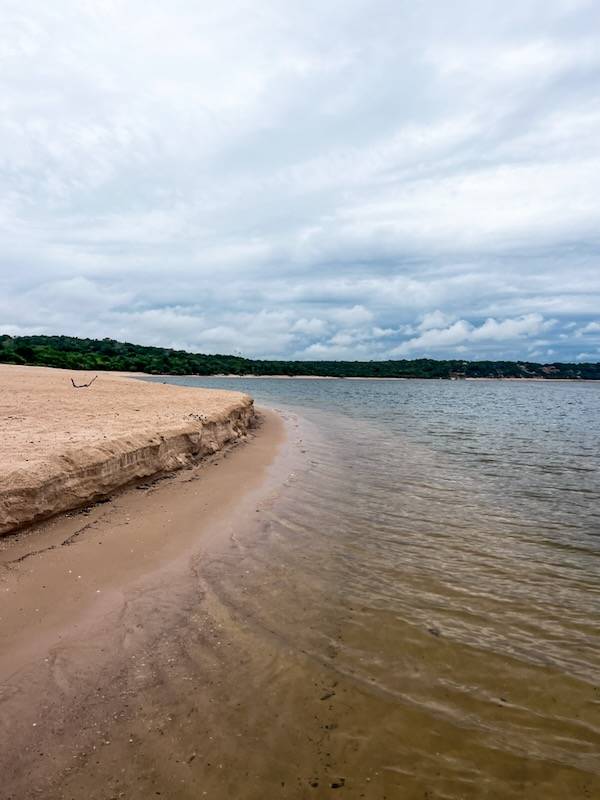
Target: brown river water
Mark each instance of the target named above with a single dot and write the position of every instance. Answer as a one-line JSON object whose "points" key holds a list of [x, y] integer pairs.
{"points": [[412, 612]]}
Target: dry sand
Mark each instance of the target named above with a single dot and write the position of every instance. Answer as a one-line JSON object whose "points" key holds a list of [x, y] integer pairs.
{"points": [[62, 447]]}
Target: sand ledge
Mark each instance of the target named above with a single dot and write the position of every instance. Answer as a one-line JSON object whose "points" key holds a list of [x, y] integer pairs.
{"points": [[65, 447]]}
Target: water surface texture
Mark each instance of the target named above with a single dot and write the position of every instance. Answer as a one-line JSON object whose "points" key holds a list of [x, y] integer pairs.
{"points": [[432, 576]]}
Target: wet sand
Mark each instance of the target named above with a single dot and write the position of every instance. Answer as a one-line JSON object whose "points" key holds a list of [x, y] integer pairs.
{"points": [[82, 598]]}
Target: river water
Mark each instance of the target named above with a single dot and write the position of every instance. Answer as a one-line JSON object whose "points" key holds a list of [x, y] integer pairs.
{"points": [[423, 598]]}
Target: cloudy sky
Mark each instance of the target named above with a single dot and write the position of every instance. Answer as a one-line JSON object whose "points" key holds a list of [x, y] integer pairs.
{"points": [[326, 179]]}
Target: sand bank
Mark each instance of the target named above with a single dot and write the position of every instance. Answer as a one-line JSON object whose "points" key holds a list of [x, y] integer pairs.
{"points": [[63, 447]]}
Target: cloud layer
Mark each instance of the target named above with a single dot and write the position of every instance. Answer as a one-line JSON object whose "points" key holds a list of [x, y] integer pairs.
{"points": [[319, 180]]}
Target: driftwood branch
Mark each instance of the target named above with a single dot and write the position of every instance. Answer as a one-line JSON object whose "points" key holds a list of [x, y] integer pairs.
{"points": [[83, 385]]}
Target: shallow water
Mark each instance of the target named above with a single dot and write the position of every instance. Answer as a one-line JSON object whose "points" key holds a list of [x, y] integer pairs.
{"points": [[429, 582]]}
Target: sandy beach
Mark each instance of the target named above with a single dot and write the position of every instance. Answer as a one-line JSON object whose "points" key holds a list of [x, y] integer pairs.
{"points": [[70, 583], [64, 446]]}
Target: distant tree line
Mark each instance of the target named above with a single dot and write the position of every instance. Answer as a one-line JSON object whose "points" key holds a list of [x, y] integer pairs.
{"points": [[107, 354]]}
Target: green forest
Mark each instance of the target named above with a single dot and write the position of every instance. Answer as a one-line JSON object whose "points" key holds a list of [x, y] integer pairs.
{"points": [[107, 354]]}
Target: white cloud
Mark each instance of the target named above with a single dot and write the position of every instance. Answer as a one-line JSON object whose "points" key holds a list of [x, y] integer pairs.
{"points": [[347, 317], [461, 332], [536, 59], [529, 325], [591, 327], [311, 327], [437, 338], [434, 319]]}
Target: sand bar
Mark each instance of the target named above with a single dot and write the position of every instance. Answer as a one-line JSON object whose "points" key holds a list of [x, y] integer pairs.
{"points": [[63, 446]]}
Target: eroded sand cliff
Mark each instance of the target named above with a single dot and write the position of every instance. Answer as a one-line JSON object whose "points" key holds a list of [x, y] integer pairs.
{"points": [[61, 447]]}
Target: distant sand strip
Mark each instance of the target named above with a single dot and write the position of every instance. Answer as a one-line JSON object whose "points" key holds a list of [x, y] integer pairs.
{"points": [[63, 447]]}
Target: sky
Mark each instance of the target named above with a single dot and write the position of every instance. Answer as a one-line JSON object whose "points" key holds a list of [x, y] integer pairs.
{"points": [[331, 179]]}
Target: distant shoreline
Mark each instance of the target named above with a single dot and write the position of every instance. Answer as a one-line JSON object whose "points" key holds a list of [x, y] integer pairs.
{"points": [[69, 352]]}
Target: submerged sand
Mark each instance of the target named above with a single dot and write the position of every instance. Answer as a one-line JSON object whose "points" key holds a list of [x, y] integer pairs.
{"points": [[64, 446]]}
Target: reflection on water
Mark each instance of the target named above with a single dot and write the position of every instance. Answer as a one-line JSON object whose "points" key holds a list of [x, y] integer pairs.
{"points": [[439, 550]]}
